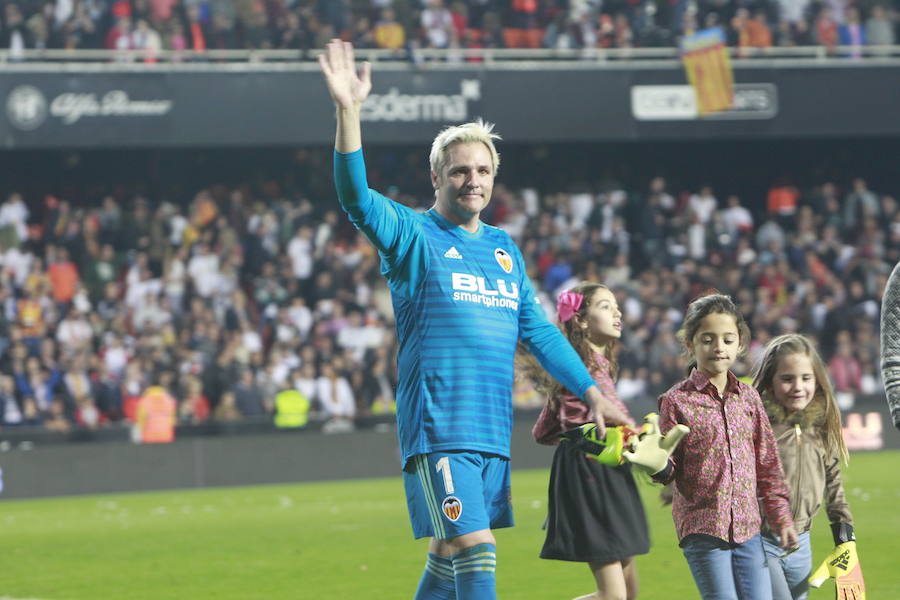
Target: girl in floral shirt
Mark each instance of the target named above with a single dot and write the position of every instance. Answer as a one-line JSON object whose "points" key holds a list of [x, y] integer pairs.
{"points": [[595, 514], [729, 463]]}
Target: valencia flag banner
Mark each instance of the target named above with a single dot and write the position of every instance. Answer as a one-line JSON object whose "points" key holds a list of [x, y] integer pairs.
{"points": [[708, 69]]}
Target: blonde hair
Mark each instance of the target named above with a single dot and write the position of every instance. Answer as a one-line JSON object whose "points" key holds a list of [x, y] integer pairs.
{"points": [[703, 306], [476, 131], [579, 338], [823, 400]]}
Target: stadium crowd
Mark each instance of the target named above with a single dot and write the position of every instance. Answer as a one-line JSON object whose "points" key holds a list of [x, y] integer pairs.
{"points": [[244, 291], [406, 25]]}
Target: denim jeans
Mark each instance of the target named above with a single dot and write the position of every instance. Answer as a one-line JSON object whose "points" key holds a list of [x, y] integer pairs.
{"points": [[726, 571], [789, 574]]}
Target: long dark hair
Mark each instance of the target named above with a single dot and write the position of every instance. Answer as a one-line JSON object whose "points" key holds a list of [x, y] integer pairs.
{"points": [[710, 304], [577, 335]]}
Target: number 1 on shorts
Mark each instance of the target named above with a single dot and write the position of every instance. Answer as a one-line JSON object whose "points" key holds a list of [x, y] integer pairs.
{"points": [[443, 466]]}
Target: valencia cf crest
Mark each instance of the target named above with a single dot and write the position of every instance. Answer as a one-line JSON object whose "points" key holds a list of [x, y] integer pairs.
{"points": [[452, 508], [504, 259]]}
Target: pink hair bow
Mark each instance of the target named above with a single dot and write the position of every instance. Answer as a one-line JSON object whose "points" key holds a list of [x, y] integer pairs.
{"points": [[568, 304]]}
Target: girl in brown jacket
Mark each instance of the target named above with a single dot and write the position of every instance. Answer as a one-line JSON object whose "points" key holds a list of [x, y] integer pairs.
{"points": [[799, 400]]}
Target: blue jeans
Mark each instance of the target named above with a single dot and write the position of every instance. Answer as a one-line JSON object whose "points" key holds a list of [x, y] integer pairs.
{"points": [[726, 571], [789, 574]]}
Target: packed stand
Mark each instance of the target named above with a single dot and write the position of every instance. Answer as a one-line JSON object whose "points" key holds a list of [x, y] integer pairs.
{"points": [[813, 261], [250, 291], [224, 303], [404, 26]]}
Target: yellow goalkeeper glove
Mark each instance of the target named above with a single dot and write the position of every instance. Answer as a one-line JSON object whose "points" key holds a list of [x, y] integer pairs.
{"points": [[843, 565], [651, 450]]}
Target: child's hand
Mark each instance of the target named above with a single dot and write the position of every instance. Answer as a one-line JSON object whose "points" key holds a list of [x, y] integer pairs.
{"points": [[788, 537], [651, 451]]}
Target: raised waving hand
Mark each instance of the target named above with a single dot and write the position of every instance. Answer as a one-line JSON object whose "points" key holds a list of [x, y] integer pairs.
{"points": [[348, 87]]}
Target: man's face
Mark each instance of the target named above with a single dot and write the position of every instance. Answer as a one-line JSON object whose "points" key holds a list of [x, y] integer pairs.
{"points": [[465, 182]]}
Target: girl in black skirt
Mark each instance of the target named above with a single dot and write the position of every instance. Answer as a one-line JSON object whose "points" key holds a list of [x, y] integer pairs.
{"points": [[595, 512]]}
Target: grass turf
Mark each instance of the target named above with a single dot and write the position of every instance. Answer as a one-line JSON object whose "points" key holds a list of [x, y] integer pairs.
{"points": [[347, 540]]}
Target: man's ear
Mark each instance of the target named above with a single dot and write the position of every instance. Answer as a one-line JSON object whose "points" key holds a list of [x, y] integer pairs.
{"points": [[435, 180]]}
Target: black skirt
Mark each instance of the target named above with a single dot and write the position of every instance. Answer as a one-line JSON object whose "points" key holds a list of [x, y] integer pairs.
{"points": [[595, 511]]}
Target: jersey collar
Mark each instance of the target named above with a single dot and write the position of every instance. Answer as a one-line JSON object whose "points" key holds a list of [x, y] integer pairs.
{"points": [[445, 224]]}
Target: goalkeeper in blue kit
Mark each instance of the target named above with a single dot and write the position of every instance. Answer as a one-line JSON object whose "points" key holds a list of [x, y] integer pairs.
{"points": [[462, 300]]}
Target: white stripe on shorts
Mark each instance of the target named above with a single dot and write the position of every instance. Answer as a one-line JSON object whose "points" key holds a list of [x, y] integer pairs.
{"points": [[424, 473]]}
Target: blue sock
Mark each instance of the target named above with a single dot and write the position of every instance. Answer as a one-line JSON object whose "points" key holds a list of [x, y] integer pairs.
{"points": [[474, 569], [437, 581]]}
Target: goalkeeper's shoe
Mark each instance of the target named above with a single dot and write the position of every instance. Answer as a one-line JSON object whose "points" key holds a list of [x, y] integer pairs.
{"points": [[607, 451]]}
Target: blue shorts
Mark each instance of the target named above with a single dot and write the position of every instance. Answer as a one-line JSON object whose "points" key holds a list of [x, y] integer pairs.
{"points": [[456, 492]]}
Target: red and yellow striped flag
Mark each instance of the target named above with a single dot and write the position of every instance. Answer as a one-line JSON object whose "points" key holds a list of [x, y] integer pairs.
{"points": [[708, 69]]}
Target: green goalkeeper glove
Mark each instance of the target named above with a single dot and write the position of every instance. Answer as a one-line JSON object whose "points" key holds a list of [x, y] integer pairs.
{"points": [[651, 450], [842, 565], [607, 451]]}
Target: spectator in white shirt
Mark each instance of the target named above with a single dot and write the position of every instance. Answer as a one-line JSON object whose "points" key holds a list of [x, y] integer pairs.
{"points": [[19, 264], [203, 269], [438, 24], [304, 380], [14, 213], [300, 316], [74, 333], [175, 278], [285, 330], [703, 204], [359, 336], [300, 251], [115, 355], [736, 218], [334, 394], [145, 285]]}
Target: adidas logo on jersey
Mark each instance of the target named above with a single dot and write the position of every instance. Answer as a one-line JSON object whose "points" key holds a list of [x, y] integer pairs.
{"points": [[453, 253]]}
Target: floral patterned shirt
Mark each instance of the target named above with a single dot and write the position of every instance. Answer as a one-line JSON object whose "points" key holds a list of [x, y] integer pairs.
{"points": [[727, 465], [573, 412]]}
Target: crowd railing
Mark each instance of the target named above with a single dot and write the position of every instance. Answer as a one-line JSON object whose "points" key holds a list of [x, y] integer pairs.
{"points": [[505, 58]]}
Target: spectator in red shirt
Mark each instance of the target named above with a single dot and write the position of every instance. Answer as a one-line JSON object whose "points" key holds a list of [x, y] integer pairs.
{"points": [[826, 30], [194, 407], [161, 10], [119, 37], [759, 35], [782, 202], [846, 371], [63, 276], [195, 29], [460, 15]]}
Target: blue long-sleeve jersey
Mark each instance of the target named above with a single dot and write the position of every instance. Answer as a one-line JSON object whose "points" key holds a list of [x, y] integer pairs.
{"points": [[461, 300]]}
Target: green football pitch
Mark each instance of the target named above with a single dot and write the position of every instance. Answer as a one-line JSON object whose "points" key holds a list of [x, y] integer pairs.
{"points": [[349, 540]]}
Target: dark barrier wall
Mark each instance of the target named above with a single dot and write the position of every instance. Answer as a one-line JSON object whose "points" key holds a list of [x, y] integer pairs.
{"points": [[104, 109], [96, 468], [53, 469]]}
